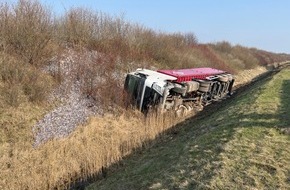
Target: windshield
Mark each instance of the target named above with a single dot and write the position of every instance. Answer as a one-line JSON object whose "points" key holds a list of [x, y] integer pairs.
{"points": [[151, 98], [134, 87]]}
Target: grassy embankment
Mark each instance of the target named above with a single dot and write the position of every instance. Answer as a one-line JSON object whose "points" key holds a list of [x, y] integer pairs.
{"points": [[32, 39], [241, 145]]}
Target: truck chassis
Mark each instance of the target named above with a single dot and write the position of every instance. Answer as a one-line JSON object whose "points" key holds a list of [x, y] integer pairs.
{"points": [[181, 90]]}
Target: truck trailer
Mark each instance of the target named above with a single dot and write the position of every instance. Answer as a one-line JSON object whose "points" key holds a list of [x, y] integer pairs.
{"points": [[181, 90]]}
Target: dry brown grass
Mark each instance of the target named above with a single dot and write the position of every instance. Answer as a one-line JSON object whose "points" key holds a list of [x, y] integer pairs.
{"points": [[240, 146], [29, 36], [22, 82], [104, 141]]}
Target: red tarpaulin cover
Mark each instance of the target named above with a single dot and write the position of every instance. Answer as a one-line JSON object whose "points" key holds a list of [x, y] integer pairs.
{"points": [[189, 74]]}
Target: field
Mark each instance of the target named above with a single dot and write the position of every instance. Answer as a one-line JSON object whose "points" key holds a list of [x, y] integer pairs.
{"points": [[61, 125], [241, 144]]}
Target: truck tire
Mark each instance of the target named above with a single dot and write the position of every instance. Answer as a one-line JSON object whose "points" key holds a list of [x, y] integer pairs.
{"points": [[179, 89], [204, 85], [191, 86], [230, 77], [223, 78], [204, 82], [203, 88]]}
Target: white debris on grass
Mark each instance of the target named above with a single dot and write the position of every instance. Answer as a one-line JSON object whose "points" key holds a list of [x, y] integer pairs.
{"points": [[63, 120], [75, 107]]}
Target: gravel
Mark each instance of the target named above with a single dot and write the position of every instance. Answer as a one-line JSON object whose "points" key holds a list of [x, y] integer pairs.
{"points": [[75, 108], [63, 120]]}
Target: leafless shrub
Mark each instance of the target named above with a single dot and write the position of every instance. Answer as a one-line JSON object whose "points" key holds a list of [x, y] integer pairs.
{"points": [[99, 78], [11, 73], [115, 36], [246, 56], [190, 39], [37, 86], [27, 33], [215, 60], [12, 77], [77, 27], [26, 30], [21, 81], [224, 47], [268, 58], [12, 94]]}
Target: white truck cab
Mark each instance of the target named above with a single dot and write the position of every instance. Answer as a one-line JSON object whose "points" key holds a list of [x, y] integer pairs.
{"points": [[178, 89], [147, 87]]}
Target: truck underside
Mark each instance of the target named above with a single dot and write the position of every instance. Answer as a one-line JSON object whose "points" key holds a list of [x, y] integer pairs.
{"points": [[179, 90]]}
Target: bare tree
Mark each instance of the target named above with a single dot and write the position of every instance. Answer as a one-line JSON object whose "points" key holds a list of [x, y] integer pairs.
{"points": [[26, 30]]}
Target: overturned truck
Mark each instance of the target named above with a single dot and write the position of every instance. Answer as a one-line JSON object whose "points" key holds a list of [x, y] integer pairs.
{"points": [[181, 90]]}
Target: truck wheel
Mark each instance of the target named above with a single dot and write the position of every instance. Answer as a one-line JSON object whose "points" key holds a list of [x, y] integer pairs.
{"points": [[204, 85], [204, 82], [223, 78], [179, 89], [191, 86], [230, 77], [203, 88]]}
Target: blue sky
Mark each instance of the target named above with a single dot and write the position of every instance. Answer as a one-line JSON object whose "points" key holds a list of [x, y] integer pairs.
{"points": [[264, 24]]}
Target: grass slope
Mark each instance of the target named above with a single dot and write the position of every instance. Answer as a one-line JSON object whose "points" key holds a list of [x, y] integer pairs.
{"points": [[239, 147]]}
